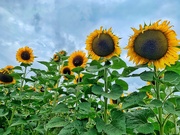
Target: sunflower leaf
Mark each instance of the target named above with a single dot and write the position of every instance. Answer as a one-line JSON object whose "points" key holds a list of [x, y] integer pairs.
{"points": [[116, 92], [77, 69], [118, 63], [147, 76]]}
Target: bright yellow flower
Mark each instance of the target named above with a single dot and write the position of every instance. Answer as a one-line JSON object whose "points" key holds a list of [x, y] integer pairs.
{"points": [[154, 44], [76, 59], [25, 55], [102, 43]]}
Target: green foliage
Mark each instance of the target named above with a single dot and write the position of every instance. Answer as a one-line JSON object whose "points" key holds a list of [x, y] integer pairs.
{"points": [[45, 101]]}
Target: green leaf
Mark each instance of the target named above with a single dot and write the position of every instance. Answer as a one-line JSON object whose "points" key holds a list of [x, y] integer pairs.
{"points": [[56, 122], [92, 69], [3, 113], [40, 129], [60, 108], [126, 72], [91, 131], [175, 67], [169, 107], [146, 88], [98, 90], [100, 125], [171, 77], [133, 99], [77, 127], [138, 120], [85, 106], [122, 83], [118, 63], [155, 103], [147, 76], [18, 122], [47, 64], [118, 125], [17, 68], [115, 93], [77, 69], [146, 128]]}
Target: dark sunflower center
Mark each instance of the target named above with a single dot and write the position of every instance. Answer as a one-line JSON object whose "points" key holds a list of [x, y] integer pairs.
{"points": [[152, 44], [6, 78], [67, 71], [78, 60], [25, 55], [103, 45]]}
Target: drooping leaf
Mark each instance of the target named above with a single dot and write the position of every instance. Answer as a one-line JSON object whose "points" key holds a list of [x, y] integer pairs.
{"points": [[171, 77], [118, 63], [138, 120], [122, 83], [18, 122], [147, 76], [133, 99], [115, 93], [128, 70], [118, 124], [96, 89]]}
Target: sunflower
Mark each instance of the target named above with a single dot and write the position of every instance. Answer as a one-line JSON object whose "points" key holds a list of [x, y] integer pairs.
{"points": [[76, 59], [66, 70], [9, 68], [56, 57], [25, 55], [111, 101], [154, 44], [6, 78], [102, 43], [78, 78], [63, 53]]}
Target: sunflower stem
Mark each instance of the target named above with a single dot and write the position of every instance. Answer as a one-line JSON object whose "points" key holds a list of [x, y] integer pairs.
{"points": [[22, 79], [105, 99], [160, 109]]}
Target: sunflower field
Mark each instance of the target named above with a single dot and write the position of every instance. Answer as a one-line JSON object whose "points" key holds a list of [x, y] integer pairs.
{"points": [[86, 93]]}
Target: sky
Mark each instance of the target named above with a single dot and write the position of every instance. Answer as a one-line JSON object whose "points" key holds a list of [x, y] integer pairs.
{"points": [[48, 26]]}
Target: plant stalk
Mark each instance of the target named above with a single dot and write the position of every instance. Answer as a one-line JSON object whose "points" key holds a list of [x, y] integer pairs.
{"points": [[105, 99], [160, 109]]}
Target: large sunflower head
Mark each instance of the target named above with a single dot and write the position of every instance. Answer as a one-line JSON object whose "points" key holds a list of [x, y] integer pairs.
{"points": [[6, 78], [154, 44], [25, 55], [102, 43], [77, 59]]}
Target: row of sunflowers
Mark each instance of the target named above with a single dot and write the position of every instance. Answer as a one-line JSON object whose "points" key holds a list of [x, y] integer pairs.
{"points": [[88, 95]]}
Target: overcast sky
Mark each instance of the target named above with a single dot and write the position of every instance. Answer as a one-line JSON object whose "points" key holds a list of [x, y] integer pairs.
{"points": [[48, 26]]}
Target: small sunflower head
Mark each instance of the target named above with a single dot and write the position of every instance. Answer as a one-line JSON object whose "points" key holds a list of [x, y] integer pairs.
{"points": [[102, 44], [25, 55], [56, 58], [111, 101], [78, 78], [9, 68], [154, 44], [77, 59], [66, 70], [6, 79], [63, 53]]}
